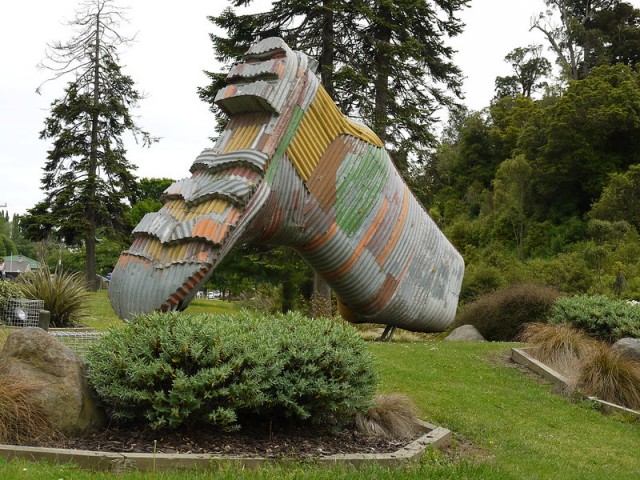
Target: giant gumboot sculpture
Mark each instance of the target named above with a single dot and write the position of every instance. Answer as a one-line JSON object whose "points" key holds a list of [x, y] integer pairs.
{"points": [[290, 169]]}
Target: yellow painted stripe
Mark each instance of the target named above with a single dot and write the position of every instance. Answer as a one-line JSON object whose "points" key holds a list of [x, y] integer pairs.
{"points": [[179, 210], [321, 124], [243, 137]]}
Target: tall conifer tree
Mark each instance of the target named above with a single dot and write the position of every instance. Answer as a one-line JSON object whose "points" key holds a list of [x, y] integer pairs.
{"points": [[87, 178]]}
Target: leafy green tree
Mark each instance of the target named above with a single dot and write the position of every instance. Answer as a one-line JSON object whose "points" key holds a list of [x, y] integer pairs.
{"points": [[605, 238], [510, 188], [153, 188], [108, 251], [590, 33], [87, 178], [620, 33], [473, 146], [529, 70], [402, 49], [21, 240], [620, 199], [149, 197], [575, 143], [509, 118], [246, 268]]}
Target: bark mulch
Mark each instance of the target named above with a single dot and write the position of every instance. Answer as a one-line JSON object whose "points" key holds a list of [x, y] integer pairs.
{"points": [[252, 441]]}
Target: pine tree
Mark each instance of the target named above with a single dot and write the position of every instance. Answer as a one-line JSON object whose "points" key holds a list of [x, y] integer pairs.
{"points": [[87, 178]]}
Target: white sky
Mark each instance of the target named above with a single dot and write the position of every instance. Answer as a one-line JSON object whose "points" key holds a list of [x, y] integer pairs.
{"points": [[167, 60]]}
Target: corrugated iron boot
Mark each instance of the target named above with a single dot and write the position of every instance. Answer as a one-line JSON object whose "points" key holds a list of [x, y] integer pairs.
{"points": [[291, 170]]}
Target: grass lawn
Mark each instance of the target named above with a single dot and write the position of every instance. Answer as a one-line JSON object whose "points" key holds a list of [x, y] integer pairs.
{"points": [[507, 423], [102, 316]]}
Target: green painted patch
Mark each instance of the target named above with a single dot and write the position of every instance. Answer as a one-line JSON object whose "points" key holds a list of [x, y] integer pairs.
{"points": [[361, 181], [296, 118]]}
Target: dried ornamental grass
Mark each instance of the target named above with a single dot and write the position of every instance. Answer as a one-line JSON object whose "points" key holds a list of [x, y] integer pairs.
{"points": [[611, 377], [392, 416], [22, 420], [4, 333], [562, 347]]}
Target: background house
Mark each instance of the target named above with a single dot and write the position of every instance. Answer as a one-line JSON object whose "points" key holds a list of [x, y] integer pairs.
{"points": [[14, 265]]}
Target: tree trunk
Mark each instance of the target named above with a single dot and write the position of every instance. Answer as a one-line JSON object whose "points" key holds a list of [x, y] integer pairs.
{"points": [[321, 298], [381, 84], [328, 51], [287, 293], [90, 238]]}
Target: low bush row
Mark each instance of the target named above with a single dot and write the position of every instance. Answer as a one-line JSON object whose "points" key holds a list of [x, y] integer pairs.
{"points": [[501, 315], [600, 316]]}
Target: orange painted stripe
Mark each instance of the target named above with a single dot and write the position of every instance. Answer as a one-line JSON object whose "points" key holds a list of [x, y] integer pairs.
{"points": [[209, 229], [233, 216], [373, 228], [395, 234], [371, 231], [342, 269], [320, 239], [184, 289], [380, 298]]}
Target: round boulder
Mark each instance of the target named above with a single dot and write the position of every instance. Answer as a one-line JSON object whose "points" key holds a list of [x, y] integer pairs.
{"points": [[628, 348], [466, 333]]}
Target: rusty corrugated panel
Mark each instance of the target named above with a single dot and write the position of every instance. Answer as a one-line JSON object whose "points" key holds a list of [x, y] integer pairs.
{"points": [[270, 69], [309, 93], [213, 161], [320, 126], [296, 173], [261, 95], [286, 210], [322, 182]]}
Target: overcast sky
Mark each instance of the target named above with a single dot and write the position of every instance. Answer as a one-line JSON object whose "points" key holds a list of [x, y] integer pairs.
{"points": [[166, 62]]}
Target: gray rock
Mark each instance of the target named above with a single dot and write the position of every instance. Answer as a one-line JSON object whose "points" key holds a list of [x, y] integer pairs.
{"points": [[59, 375], [628, 347], [467, 333]]}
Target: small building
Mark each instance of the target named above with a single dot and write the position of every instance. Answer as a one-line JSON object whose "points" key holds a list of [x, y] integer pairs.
{"points": [[14, 265]]}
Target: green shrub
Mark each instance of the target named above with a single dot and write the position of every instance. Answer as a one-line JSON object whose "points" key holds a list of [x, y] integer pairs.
{"points": [[598, 315], [8, 290], [480, 280], [567, 272], [173, 370], [65, 295], [501, 315]]}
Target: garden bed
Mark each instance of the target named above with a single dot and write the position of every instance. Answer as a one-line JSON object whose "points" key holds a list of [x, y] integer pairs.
{"points": [[123, 450]]}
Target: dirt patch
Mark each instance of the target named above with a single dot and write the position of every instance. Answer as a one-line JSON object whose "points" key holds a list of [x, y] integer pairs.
{"points": [[256, 441]]}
